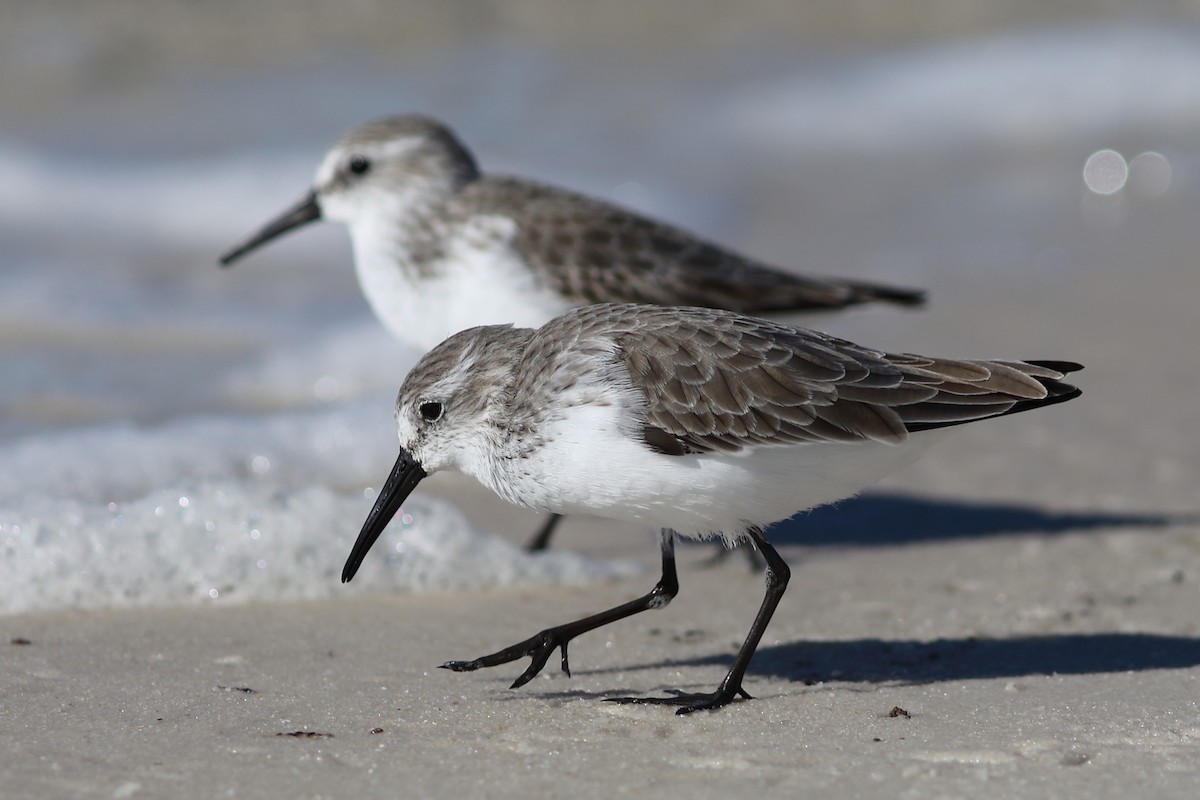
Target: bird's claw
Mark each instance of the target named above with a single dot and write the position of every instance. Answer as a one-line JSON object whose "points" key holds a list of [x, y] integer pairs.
{"points": [[537, 647], [688, 702]]}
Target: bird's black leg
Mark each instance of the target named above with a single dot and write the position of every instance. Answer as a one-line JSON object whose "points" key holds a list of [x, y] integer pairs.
{"points": [[539, 646], [777, 574], [541, 539]]}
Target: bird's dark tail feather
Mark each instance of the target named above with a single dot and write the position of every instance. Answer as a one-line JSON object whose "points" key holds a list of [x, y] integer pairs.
{"points": [[1056, 392], [872, 292]]}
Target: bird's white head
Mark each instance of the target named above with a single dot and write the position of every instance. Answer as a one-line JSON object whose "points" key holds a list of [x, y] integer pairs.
{"points": [[447, 418], [389, 166], [379, 175], [447, 408]]}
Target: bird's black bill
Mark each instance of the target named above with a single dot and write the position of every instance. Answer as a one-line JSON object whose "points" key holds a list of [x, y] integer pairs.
{"points": [[302, 213], [404, 478]]}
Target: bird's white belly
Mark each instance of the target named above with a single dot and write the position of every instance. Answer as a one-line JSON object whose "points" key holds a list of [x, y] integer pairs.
{"points": [[588, 466], [470, 286]]}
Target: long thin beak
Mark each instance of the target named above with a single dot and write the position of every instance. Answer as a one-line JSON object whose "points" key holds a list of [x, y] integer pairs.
{"points": [[304, 212], [404, 478]]}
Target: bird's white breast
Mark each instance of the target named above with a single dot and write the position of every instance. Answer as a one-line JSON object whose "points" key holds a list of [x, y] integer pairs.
{"points": [[479, 280], [591, 463]]}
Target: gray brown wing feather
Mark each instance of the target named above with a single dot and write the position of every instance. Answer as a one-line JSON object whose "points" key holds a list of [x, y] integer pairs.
{"points": [[720, 381], [593, 252]]}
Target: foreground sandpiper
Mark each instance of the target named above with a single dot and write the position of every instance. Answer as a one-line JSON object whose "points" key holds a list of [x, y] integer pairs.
{"points": [[696, 421], [440, 247]]}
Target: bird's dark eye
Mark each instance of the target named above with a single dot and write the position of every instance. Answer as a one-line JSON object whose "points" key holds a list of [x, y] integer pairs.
{"points": [[431, 411], [359, 164]]}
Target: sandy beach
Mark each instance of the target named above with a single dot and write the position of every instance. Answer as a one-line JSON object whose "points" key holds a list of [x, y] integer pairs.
{"points": [[1013, 616]]}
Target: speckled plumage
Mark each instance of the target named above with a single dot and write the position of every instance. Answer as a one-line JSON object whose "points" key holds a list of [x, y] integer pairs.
{"points": [[592, 251], [717, 381]]}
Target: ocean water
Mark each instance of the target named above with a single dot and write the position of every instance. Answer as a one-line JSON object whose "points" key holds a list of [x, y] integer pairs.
{"points": [[171, 432]]}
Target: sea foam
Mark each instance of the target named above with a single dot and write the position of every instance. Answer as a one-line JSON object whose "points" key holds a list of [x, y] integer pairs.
{"points": [[231, 509]]}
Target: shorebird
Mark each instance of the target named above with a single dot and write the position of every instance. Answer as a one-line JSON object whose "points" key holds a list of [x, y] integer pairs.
{"points": [[696, 421], [440, 247]]}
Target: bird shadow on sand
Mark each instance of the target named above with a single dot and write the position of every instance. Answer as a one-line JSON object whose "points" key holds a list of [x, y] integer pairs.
{"points": [[910, 662], [879, 519]]}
